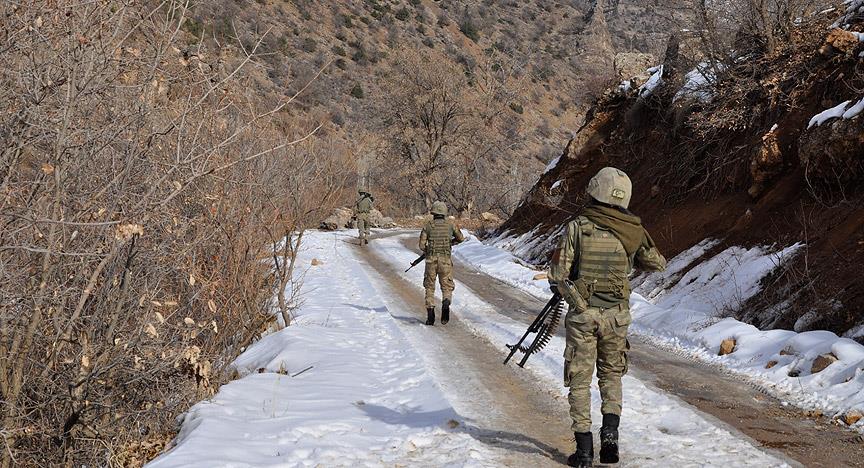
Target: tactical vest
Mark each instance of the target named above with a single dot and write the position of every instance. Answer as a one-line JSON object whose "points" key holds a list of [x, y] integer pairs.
{"points": [[364, 205], [604, 265], [439, 237]]}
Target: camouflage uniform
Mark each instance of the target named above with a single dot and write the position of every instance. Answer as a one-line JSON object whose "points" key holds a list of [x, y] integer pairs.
{"points": [[598, 291], [436, 240], [362, 209]]}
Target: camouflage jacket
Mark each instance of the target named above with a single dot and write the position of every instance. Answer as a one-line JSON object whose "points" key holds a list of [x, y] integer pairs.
{"points": [[591, 267]]}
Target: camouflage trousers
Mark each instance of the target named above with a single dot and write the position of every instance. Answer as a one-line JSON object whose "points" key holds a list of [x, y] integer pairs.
{"points": [[442, 267], [595, 336], [363, 225]]}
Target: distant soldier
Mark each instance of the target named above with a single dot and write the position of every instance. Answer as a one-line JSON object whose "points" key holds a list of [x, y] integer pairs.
{"points": [[436, 240], [361, 210], [590, 270]]}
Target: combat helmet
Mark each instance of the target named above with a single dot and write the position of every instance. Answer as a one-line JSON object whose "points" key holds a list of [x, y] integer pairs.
{"points": [[439, 208], [611, 186]]}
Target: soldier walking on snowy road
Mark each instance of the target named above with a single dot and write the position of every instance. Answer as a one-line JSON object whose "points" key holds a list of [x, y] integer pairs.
{"points": [[436, 240], [361, 210], [590, 270]]}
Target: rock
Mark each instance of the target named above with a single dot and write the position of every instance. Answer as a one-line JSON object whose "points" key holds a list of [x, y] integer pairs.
{"points": [[727, 347], [316, 262], [766, 163], [787, 351], [839, 41], [771, 364], [632, 66], [541, 276], [833, 152], [340, 219], [852, 417], [490, 217], [822, 361]]}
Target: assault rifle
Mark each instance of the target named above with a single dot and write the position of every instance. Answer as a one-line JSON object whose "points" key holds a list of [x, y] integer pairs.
{"points": [[543, 326], [416, 262]]}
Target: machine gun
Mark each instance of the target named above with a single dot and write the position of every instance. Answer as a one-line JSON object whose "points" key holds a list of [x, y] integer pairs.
{"points": [[543, 326], [416, 262]]}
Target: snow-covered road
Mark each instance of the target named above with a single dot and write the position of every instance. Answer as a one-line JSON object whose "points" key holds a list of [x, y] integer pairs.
{"points": [[383, 390]]}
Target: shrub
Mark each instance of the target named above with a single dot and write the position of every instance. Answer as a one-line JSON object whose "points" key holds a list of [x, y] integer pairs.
{"points": [[469, 29], [357, 91], [516, 107], [402, 14], [309, 45]]}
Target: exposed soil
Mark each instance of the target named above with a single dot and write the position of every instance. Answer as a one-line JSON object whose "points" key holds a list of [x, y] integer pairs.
{"points": [[742, 407]]}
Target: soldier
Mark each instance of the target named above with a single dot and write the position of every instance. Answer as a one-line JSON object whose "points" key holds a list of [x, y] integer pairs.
{"points": [[362, 209], [590, 270], [436, 239]]}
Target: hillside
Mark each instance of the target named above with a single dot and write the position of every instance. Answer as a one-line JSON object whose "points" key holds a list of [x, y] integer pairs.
{"points": [[750, 158], [540, 63]]}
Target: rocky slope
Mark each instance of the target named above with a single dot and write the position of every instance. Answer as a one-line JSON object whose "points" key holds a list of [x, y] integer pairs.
{"points": [[770, 159], [563, 52]]}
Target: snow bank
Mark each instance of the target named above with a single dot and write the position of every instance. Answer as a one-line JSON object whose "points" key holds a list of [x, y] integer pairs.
{"points": [[340, 387], [501, 264], [683, 309], [835, 112], [531, 247]]}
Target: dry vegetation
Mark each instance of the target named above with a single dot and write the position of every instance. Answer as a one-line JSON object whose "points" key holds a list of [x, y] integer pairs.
{"points": [[145, 188]]}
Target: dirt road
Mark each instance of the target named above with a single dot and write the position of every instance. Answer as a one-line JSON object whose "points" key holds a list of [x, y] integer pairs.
{"points": [[780, 429]]}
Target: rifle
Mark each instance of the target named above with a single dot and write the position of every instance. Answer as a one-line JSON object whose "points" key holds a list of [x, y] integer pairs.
{"points": [[416, 262], [544, 326]]}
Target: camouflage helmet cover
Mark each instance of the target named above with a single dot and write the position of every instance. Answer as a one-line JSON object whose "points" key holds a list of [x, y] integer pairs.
{"points": [[611, 186], [439, 208]]}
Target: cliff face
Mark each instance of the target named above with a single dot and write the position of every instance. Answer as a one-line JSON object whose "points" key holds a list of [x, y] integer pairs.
{"points": [[773, 157]]}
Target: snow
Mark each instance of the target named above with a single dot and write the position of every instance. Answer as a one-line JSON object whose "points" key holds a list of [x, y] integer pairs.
{"points": [[552, 164], [685, 310], [840, 111], [368, 399], [653, 82], [699, 83], [854, 110], [625, 86], [556, 184], [660, 431], [835, 112]]}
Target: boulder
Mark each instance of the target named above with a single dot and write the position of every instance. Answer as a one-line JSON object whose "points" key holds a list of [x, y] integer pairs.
{"points": [[316, 262], [822, 361], [340, 219], [727, 347], [378, 220], [852, 417], [541, 276], [490, 217], [632, 65], [770, 364], [833, 152]]}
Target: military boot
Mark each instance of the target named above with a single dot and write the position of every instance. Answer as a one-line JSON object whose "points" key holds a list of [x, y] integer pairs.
{"points": [[609, 438], [430, 316], [584, 456], [445, 311]]}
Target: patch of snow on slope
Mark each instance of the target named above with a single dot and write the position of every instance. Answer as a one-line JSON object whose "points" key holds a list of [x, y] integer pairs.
{"points": [[835, 112], [552, 164], [367, 400], [699, 83], [653, 82]]}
